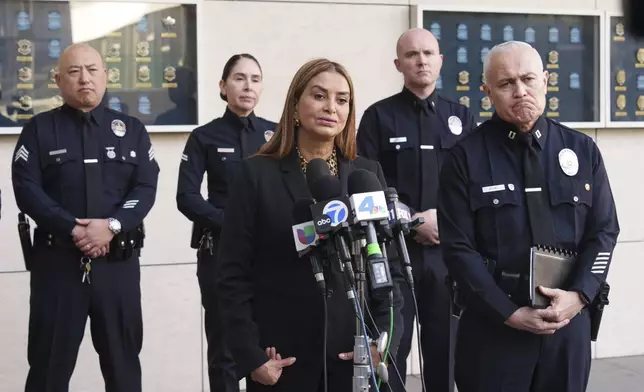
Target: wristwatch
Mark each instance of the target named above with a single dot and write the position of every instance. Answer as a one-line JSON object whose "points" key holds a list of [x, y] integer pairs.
{"points": [[114, 225]]}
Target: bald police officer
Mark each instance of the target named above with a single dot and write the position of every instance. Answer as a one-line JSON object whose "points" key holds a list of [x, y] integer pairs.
{"points": [[520, 180], [409, 133], [87, 176]]}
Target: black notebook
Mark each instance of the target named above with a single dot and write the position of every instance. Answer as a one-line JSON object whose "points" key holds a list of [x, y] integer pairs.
{"points": [[549, 267]]}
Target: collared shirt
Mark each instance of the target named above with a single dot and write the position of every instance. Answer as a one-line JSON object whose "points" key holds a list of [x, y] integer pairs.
{"points": [[48, 168], [390, 132], [483, 214], [217, 148]]}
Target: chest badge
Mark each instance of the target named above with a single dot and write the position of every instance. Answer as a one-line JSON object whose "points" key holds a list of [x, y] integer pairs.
{"points": [[455, 125], [118, 127], [110, 152], [568, 162], [268, 135]]}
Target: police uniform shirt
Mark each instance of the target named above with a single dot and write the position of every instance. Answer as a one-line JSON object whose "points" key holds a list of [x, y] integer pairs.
{"points": [[217, 148], [483, 214], [390, 132], [48, 168]]}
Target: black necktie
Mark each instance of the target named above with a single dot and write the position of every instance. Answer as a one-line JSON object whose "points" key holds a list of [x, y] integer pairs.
{"points": [[244, 137], [428, 158], [536, 194], [93, 178]]}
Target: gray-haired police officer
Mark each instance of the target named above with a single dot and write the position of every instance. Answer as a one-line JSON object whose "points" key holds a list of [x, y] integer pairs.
{"points": [[409, 134], [87, 176], [521, 180]]}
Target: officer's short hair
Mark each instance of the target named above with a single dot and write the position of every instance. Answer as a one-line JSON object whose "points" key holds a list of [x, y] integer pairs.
{"points": [[506, 47]]}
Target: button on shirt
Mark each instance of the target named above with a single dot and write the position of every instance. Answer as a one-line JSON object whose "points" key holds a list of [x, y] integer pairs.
{"points": [[482, 209], [48, 168], [409, 137], [217, 148]]}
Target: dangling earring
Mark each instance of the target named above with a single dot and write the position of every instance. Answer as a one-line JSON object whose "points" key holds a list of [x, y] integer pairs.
{"points": [[297, 122]]}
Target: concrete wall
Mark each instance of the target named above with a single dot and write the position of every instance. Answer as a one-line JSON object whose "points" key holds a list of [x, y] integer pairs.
{"points": [[283, 35]]}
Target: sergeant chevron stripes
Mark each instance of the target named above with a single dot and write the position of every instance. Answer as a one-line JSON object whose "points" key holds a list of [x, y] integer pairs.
{"points": [[151, 153], [130, 204], [184, 157], [601, 262], [22, 153]]}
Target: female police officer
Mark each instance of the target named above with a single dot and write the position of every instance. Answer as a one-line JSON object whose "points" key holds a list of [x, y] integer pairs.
{"points": [[269, 300], [218, 148]]}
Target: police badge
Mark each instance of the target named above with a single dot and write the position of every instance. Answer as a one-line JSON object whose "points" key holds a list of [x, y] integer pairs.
{"points": [[22, 21], [553, 105], [508, 33], [435, 28], [575, 35], [461, 32], [619, 32], [114, 76], [169, 75], [463, 80], [553, 81], [25, 74], [640, 58], [486, 105], [553, 60], [118, 127], [530, 35], [620, 79], [143, 49], [168, 24], [114, 103], [113, 53], [461, 55], [575, 83], [54, 48], [486, 32], [145, 107], [553, 35], [620, 102], [53, 20], [26, 102], [25, 48], [143, 73], [268, 135], [640, 106], [464, 100]]}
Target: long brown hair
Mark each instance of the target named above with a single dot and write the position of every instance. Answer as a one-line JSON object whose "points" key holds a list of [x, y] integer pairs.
{"points": [[283, 140]]}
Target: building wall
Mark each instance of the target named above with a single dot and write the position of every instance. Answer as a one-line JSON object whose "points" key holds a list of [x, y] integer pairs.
{"points": [[283, 35]]}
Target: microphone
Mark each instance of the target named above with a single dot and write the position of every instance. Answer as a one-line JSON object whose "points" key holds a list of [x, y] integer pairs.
{"points": [[306, 239], [368, 203], [399, 220], [331, 209]]}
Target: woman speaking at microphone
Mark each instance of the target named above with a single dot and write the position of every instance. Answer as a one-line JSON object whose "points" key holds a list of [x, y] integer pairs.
{"points": [[273, 313]]}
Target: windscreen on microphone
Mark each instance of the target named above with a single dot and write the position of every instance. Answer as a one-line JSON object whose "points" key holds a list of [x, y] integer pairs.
{"points": [[326, 187], [391, 194], [316, 169], [302, 211], [362, 181]]}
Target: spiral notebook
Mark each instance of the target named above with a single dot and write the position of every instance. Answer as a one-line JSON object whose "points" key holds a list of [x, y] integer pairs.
{"points": [[549, 267]]}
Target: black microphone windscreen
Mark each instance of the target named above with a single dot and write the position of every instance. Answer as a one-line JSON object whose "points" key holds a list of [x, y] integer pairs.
{"points": [[315, 169], [325, 188], [362, 181], [302, 211], [391, 194]]}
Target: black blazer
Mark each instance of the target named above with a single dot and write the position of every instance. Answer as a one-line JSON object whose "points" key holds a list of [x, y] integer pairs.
{"points": [[267, 294]]}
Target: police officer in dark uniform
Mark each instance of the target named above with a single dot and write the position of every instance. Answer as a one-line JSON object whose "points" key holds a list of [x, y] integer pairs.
{"points": [[218, 148], [518, 181], [87, 176], [409, 133]]}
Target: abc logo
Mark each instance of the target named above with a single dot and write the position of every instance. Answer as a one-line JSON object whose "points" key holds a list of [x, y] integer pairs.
{"points": [[324, 221], [337, 211]]}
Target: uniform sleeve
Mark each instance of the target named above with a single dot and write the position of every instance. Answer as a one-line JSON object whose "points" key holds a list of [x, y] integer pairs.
{"points": [[368, 138], [456, 223], [379, 304], [30, 196], [234, 270], [600, 235], [139, 201], [189, 199]]}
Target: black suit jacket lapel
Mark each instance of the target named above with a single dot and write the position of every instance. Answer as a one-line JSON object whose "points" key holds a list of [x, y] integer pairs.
{"points": [[294, 178], [345, 167]]}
